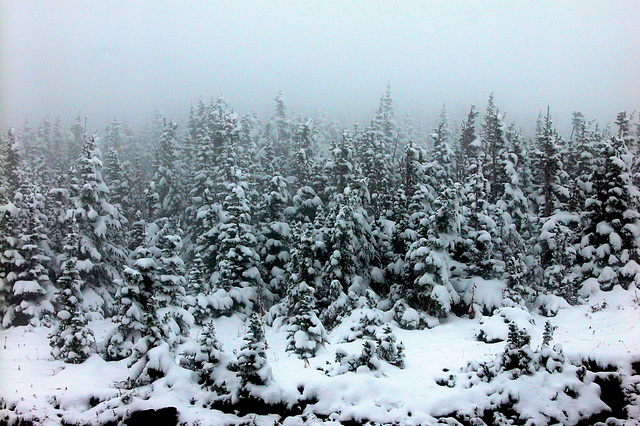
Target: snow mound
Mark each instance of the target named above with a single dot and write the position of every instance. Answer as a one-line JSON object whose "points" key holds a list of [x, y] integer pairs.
{"points": [[495, 328]]}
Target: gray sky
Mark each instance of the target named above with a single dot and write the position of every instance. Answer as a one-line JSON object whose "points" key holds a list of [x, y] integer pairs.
{"points": [[126, 58]]}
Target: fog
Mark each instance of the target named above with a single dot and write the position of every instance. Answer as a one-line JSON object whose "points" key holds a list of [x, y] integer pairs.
{"points": [[128, 58]]}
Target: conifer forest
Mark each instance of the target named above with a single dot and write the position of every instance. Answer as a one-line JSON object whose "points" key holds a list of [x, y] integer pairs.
{"points": [[322, 234], [467, 267]]}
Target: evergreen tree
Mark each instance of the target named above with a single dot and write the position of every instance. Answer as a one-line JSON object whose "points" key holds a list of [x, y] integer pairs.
{"points": [[439, 171], [197, 289], [468, 147], [384, 123], [476, 250], [206, 356], [252, 359], [237, 271], [12, 155], [578, 156], [350, 242], [275, 235], [375, 163], [306, 333], [25, 287], [558, 256], [302, 156], [429, 287], [549, 176], [71, 340], [342, 170], [494, 144], [171, 292], [167, 174], [120, 188], [308, 258], [306, 203], [150, 335], [137, 305], [609, 247], [282, 127], [101, 251], [388, 349]]}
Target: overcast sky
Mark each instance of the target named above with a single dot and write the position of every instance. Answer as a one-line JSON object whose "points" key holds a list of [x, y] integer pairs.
{"points": [[127, 58]]}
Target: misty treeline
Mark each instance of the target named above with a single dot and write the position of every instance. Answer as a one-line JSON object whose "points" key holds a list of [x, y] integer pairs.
{"points": [[164, 228]]}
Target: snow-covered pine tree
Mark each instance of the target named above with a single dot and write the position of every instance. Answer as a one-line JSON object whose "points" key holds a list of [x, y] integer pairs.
{"points": [[521, 148], [547, 336], [516, 231], [101, 246], [389, 349], [350, 242], [428, 259], [205, 357], [74, 143], [11, 155], [282, 128], [468, 147], [120, 192], [275, 235], [477, 247], [558, 256], [306, 203], [197, 289], [301, 162], [578, 156], [171, 292], [252, 365], [237, 272], [609, 245], [167, 174], [71, 339], [136, 304], [152, 336], [376, 169], [342, 170], [201, 180], [305, 334], [411, 204], [384, 123], [56, 159], [25, 288], [215, 133], [550, 193], [493, 147], [439, 171]]}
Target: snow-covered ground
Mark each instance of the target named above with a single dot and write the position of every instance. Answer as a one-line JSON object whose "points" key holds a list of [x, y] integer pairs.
{"points": [[606, 329]]}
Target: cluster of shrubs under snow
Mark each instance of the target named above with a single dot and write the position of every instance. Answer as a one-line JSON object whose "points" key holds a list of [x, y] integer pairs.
{"points": [[513, 373]]}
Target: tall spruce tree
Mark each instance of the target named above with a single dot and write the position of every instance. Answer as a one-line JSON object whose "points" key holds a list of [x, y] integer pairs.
{"points": [[71, 339], [550, 194], [237, 271], [493, 146], [25, 288], [609, 245], [101, 244], [275, 236]]}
